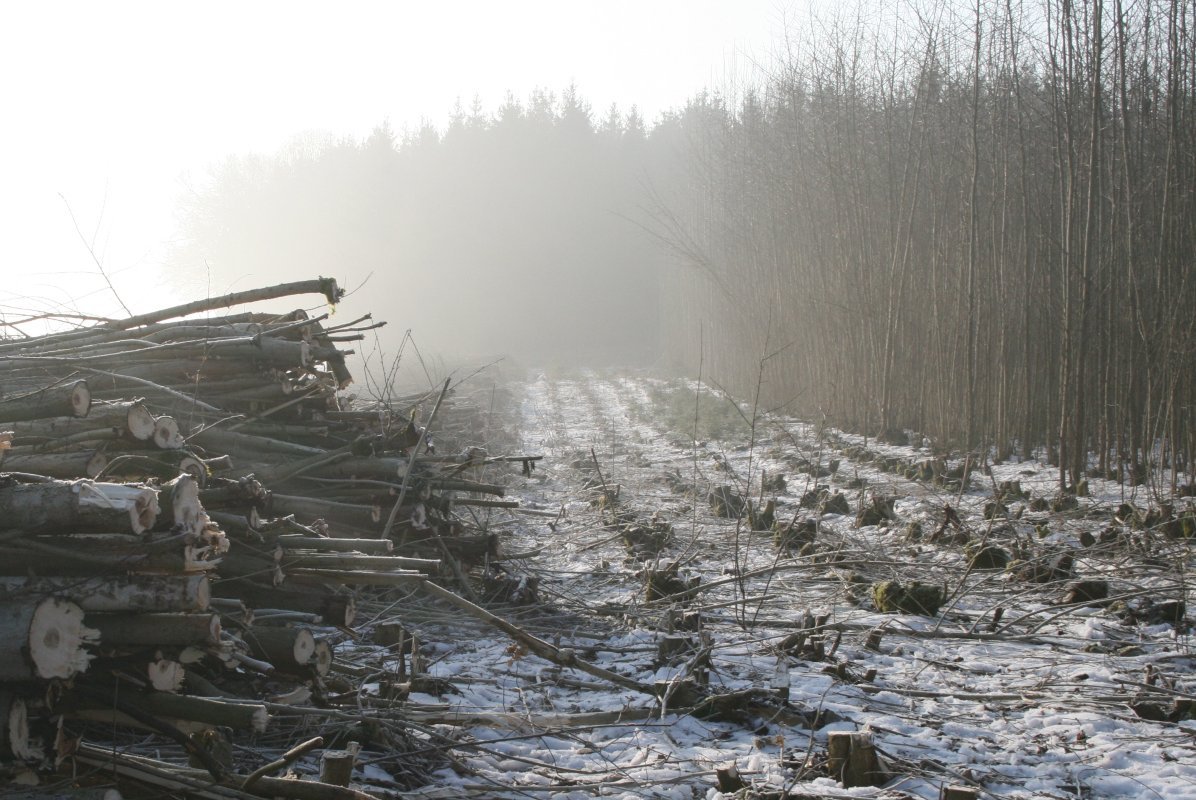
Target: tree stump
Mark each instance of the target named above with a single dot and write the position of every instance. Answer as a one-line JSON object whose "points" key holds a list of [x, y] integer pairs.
{"points": [[336, 766], [958, 793], [852, 759]]}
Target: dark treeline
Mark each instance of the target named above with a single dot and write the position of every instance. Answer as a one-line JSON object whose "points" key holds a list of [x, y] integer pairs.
{"points": [[505, 232], [974, 222]]}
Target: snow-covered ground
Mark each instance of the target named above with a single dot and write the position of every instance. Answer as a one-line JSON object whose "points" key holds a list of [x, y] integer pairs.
{"points": [[1006, 689]]}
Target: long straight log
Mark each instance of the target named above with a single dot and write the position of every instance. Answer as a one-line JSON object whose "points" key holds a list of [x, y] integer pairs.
{"points": [[456, 484], [43, 640], [290, 542], [78, 506], [207, 710], [83, 464], [157, 630], [243, 562], [130, 417], [159, 463], [117, 594], [171, 779], [264, 350], [325, 286], [288, 649], [65, 400], [174, 715], [38, 558], [167, 435], [275, 474], [250, 445], [172, 373], [355, 577], [306, 508], [382, 469], [79, 440], [335, 607]]}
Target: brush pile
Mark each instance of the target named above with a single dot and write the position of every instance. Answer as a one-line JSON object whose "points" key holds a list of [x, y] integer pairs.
{"points": [[188, 513]]}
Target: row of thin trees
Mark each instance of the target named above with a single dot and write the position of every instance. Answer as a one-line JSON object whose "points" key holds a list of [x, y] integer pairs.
{"points": [[975, 223]]}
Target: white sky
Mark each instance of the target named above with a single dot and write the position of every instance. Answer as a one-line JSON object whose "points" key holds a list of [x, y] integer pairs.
{"points": [[113, 104]]}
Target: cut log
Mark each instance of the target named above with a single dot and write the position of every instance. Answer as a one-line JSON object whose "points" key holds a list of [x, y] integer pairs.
{"points": [[64, 794], [325, 286], [852, 759], [65, 400], [166, 675], [179, 501], [167, 435], [83, 464], [335, 607], [78, 506], [380, 469], [129, 417], [288, 649], [136, 593], [43, 640], [203, 710], [354, 577], [368, 546], [156, 630], [242, 564], [35, 557], [250, 446], [164, 464], [16, 742], [306, 508], [450, 484], [353, 561]]}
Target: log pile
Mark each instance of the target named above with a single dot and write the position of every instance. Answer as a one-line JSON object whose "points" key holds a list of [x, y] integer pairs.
{"points": [[187, 512]]}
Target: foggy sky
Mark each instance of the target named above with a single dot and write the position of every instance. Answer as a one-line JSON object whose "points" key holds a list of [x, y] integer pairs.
{"points": [[116, 109]]}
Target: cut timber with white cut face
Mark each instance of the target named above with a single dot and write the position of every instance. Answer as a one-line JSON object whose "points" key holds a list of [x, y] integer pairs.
{"points": [[43, 640], [139, 502]]}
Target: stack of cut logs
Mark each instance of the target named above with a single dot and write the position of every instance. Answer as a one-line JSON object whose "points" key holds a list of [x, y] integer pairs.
{"points": [[185, 506]]}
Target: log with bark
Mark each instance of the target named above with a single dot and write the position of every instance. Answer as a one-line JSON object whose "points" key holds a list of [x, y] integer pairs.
{"points": [[71, 399], [135, 593], [81, 505]]}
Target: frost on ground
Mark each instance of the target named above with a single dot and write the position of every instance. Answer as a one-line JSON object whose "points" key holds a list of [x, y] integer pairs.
{"points": [[1055, 660]]}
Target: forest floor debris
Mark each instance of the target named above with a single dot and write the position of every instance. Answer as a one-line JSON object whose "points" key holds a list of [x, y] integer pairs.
{"points": [[620, 634]]}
